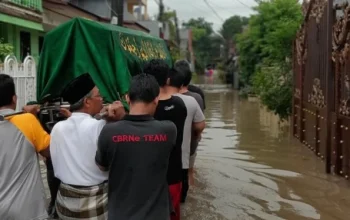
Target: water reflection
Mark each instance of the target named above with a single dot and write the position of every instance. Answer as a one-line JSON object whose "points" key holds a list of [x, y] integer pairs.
{"points": [[248, 168]]}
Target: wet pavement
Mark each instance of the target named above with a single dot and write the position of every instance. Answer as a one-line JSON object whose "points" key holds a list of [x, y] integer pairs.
{"points": [[249, 167]]}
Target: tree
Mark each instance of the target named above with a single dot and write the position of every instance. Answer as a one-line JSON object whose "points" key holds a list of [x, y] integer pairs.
{"points": [[169, 18], [206, 43], [265, 48], [200, 23], [232, 26]]}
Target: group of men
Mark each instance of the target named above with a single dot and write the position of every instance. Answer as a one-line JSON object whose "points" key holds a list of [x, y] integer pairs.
{"points": [[126, 166]]}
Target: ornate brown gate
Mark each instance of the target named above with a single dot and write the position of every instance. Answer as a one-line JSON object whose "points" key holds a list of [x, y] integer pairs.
{"points": [[321, 103]]}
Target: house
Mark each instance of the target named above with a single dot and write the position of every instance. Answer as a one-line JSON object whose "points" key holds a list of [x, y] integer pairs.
{"points": [[105, 10], [161, 30], [186, 48], [56, 12], [138, 8], [21, 26]]}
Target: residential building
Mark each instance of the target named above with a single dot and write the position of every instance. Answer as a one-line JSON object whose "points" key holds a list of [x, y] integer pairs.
{"points": [[162, 30], [57, 12], [104, 10], [21, 26], [138, 8], [186, 49], [154, 27]]}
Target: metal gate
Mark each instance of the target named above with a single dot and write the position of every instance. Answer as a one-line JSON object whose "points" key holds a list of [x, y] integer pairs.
{"points": [[24, 75], [321, 103]]}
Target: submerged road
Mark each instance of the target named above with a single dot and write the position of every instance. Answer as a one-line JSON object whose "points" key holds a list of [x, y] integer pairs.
{"points": [[249, 167]]}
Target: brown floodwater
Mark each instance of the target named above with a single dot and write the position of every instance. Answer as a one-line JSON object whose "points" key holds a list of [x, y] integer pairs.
{"points": [[249, 167]]}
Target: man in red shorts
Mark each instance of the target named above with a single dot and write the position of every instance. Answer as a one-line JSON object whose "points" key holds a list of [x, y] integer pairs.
{"points": [[170, 108]]}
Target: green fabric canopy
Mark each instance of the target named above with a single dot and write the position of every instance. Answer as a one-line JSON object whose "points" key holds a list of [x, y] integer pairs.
{"points": [[111, 54]]}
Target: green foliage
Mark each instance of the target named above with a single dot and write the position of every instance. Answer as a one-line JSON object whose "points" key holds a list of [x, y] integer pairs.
{"points": [[200, 23], [5, 49], [263, 49], [198, 33], [168, 17], [273, 83], [221, 69], [230, 28], [233, 26], [175, 53], [249, 52]]}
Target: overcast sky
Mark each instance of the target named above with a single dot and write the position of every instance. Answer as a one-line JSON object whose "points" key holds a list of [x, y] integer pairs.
{"points": [[187, 9]]}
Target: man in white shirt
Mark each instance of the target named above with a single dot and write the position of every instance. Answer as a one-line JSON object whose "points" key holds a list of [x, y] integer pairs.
{"points": [[83, 191]]}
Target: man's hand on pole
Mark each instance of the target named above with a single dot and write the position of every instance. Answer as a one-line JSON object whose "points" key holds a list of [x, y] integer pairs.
{"points": [[33, 109], [65, 112], [115, 111]]}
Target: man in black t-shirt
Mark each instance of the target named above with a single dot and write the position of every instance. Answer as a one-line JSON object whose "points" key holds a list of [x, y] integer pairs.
{"points": [[136, 152], [174, 109]]}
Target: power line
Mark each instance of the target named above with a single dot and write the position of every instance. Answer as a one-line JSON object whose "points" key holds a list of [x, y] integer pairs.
{"points": [[157, 2], [217, 15], [244, 4], [199, 8], [110, 8], [195, 6], [228, 9]]}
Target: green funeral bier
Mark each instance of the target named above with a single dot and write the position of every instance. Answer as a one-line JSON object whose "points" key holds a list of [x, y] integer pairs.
{"points": [[111, 54]]}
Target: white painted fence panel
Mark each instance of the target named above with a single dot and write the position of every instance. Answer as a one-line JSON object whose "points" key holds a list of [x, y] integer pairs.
{"points": [[24, 75]]}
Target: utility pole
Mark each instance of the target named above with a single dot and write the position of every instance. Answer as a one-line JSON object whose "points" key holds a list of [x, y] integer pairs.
{"points": [[161, 11], [118, 7], [177, 29], [140, 11]]}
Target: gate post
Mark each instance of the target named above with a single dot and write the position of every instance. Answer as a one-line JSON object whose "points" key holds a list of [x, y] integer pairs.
{"points": [[329, 84], [301, 103]]}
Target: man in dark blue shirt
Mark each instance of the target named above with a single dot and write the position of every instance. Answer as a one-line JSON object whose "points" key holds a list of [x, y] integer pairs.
{"points": [[136, 152]]}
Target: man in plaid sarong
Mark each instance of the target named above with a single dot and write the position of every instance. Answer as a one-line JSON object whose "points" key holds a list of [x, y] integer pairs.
{"points": [[83, 202], [83, 190]]}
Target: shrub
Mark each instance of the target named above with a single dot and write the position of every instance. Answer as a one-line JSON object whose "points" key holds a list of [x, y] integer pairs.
{"points": [[273, 84], [5, 49]]}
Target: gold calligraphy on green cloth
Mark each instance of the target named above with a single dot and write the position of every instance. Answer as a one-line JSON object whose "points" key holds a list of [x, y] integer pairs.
{"points": [[145, 49]]}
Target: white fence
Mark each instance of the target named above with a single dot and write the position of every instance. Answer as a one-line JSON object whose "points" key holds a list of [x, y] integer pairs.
{"points": [[24, 75]]}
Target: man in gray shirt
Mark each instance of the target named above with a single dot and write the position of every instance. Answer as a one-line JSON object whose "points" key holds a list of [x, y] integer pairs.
{"points": [[184, 67], [22, 138], [194, 125]]}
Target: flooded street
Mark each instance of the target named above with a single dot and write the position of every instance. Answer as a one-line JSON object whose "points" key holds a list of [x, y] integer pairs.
{"points": [[248, 168]]}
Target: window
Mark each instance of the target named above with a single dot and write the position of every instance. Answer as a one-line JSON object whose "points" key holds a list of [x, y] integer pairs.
{"points": [[41, 43], [25, 48]]}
